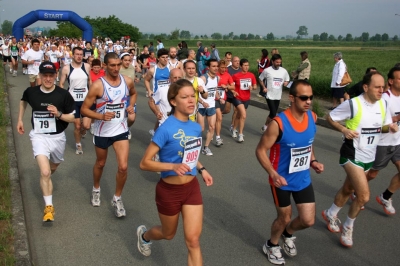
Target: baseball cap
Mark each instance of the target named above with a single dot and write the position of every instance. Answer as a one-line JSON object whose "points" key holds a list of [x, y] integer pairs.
{"points": [[47, 67]]}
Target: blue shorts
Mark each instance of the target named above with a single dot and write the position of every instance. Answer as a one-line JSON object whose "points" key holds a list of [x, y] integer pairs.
{"points": [[207, 111], [78, 106], [105, 142]]}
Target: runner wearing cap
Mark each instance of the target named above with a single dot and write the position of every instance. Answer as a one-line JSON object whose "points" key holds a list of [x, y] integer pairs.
{"points": [[52, 110]]}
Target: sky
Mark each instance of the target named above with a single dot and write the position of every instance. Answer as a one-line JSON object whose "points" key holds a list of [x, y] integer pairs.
{"points": [[282, 17]]}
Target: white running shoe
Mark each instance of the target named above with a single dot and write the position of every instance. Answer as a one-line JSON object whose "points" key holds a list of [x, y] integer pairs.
{"points": [[234, 134], [288, 246], [346, 238], [206, 151], [219, 142], [11, 70], [95, 198], [78, 149], [143, 246], [118, 208], [274, 254], [240, 138], [333, 222], [387, 205], [14, 74], [129, 135]]}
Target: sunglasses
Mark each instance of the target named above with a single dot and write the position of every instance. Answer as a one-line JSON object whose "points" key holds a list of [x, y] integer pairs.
{"points": [[305, 97]]}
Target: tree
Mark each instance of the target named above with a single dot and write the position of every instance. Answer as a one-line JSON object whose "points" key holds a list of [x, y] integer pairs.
{"points": [[250, 36], [365, 36], [378, 37], [65, 28], [231, 35], [243, 36], [315, 37], [349, 37], [216, 36], [235, 37], [323, 37], [340, 38], [257, 37], [282, 38], [385, 37], [185, 34], [196, 37], [145, 36], [151, 36], [205, 37], [395, 38], [303, 31], [270, 36], [6, 27], [331, 38], [174, 34], [225, 37]]}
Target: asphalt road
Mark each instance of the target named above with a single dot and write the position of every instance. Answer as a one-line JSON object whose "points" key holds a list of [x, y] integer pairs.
{"points": [[238, 208]]}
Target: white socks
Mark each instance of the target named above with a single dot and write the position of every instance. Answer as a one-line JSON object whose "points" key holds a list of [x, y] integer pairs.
{"points": [[333, 210], [48, 200], [349, 222]]}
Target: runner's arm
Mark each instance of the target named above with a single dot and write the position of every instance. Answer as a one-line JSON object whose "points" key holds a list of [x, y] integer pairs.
{"points": [[147, 79], [64, 73], [20, 125], [95, 91]]}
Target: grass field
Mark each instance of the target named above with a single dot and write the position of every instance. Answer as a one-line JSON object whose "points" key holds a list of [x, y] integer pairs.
{"points": [[357, 57], [6, 232]]}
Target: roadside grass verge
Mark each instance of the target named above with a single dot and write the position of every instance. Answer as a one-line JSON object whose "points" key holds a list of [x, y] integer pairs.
{"points": [[6, 231]]}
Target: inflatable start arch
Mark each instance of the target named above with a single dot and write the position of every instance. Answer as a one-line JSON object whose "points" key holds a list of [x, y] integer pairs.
{"points": [[52, 15]]}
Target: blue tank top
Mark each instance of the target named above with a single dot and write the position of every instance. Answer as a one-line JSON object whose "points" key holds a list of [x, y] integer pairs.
{"points": [[161, 77], [291, 155]]}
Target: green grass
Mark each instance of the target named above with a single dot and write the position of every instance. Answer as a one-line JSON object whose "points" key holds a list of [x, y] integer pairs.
{"points": [[6, 231], [358, 57]]}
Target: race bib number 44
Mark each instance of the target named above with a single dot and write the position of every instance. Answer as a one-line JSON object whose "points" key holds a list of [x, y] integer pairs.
{"points": [[300, 159], [44, 122], [118, 109], [192, 152]]}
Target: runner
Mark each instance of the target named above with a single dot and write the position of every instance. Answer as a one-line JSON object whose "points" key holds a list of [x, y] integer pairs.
{"points": [[54, 56], [33, 57], [389, 145], [14, 49], [207, 105], [244, 82], [272, 80], [177, 140], [198, 85], [289, 139], [225, 84], [52, 110], [22, 49], [7, 55], [365, 115], [77, 75], [231, 94], [173, 61], [111, 94]]}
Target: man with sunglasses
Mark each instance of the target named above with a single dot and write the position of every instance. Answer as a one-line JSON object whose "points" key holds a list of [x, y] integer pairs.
{"points": [[272, 80], [289, 138]]}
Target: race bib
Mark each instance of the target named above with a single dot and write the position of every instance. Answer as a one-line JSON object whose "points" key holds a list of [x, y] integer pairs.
{"points": [[191, 153], [152, 64], [163, 84], [44, 122], [14, 53], [299, 159], [245, 84], [277, 83], [221, 92], [36, 64], [88, 54], [79, 94], [211, 93], [369, 137], [118, 109]]}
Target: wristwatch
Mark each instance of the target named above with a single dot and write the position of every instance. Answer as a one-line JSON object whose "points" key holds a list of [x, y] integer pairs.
{"points": [[201, 170], [59, 114]]}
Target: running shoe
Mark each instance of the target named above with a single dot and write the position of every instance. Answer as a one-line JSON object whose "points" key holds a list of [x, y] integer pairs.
{"points": [[231, 129], [11, 70], [240, 138], [118, 208], [288, 246], [346, 238], [144, 247], [219, 142], [234, 134], [333, 222], [95, 198], [206, 151], [14, 74], [353, 198], [387, 205], [274, 254], [78, 149], [92, 128], [48, 214], [129, 135]]}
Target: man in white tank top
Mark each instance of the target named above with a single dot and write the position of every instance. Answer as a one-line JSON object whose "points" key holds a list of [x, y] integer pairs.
{"points": [[77, 75], [173, 61], [115, 97]]}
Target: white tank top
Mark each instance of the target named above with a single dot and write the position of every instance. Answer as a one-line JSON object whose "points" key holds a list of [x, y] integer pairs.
{"points": [[172, 65], [114, 99], [78, 82]]}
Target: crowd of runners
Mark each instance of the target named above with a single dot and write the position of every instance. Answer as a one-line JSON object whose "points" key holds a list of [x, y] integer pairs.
{"points": [[186, 91]]}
